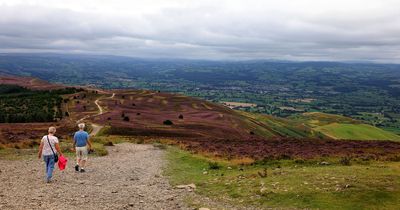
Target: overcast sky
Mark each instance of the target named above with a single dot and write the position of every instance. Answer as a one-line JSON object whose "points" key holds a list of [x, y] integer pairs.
{"points": [[344, 30]]}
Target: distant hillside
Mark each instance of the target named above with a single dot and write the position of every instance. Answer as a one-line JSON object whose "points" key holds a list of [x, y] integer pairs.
{"points": [[29, 82], [364, 91], [199, 126], [153, 113]]}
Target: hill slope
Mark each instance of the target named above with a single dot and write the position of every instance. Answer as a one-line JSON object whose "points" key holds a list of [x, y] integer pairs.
{"points": [[340, 127], [356, 131]]}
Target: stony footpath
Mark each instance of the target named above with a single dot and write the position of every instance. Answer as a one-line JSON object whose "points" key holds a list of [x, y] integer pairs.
{"points": [[130, 177]]}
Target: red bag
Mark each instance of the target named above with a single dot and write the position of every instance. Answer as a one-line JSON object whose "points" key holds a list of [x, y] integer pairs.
{"points": [[62, 162]]}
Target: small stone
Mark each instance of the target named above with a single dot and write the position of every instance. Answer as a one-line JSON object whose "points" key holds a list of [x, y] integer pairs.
{"points": [[202, 208], [205, 172], [114, 191], [324, 163], [347, 186], [131, 204], [141, 201], [98, 184], [83, 196], [189, 186], [229, 168]]}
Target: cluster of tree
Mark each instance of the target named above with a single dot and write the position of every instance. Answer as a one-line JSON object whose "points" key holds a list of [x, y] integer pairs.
{"points": [[21, 105]]}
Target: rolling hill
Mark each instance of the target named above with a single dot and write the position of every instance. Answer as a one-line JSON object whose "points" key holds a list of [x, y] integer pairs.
{"points": [[203, 126]]}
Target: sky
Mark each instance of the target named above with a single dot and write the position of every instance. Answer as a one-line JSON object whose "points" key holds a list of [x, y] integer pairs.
{"points": [[340, 30]]}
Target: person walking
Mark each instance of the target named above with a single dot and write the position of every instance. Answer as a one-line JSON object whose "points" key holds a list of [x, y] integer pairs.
{"points": [[49, 149], [81, 144]]}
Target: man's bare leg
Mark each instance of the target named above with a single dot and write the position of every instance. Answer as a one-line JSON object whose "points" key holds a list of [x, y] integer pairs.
{"points": [[78, 160], [82, 163]]}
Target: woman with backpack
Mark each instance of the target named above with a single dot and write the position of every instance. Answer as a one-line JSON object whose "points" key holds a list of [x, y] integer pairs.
{"points": [[50, 149]]}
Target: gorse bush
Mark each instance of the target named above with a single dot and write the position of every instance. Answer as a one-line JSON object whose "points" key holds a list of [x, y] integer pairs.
{"points": [[168, 122], [214, 166], [346, 161]]}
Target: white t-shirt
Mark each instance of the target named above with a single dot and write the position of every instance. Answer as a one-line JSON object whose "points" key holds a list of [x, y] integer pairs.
{"points": [[46, 147]]}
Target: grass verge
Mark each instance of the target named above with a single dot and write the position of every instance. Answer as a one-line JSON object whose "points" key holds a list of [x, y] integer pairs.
{"points": [[289, 184]]}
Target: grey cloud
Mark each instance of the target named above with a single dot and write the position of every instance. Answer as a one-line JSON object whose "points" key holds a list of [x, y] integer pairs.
{"points": [[206, 32]]}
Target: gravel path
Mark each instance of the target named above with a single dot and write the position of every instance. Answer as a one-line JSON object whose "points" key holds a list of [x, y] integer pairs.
{"points": [[128, 178]]}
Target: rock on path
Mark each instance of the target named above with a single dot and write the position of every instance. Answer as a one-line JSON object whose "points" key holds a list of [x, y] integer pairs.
{"points": [[128, 178]]}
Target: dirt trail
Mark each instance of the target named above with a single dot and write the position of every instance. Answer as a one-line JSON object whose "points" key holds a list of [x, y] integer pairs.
{"points": [[128, 178], [98, 105], [95, 127]]}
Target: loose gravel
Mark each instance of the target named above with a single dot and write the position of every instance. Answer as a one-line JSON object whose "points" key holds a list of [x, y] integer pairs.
{"points": [[130, 177]]}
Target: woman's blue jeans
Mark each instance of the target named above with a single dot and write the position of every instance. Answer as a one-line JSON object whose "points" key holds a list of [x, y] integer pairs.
{"points": [[49, 160]]}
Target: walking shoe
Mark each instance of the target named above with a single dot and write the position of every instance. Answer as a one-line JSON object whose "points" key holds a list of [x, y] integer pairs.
{"points": [[76, 167], [82, 170]]}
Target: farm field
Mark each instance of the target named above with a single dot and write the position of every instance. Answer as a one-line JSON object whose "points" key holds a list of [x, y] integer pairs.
{"points": [[356, 131], [340, 127]]}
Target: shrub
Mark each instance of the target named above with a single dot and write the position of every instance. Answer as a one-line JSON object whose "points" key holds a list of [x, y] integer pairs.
{"points": [[133, 104], [251, 133], [345, 161], [285, 157], [109, 143], [33, 143], [180, 116], [66, 114], [108, 118], [299, 161], [160, 146], [101, 152], [168, 122], [122, 114], [126, 118], [138, 113], [214, 166]]}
